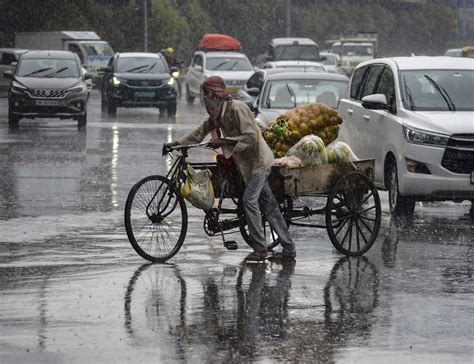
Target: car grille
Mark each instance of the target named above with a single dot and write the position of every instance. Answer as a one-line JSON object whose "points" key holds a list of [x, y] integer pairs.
{"points": [[459, 154], [141, 83], [48, 93]]}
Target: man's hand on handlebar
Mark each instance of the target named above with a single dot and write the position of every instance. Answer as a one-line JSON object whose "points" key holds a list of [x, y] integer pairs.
{"points": [[167, 147]]}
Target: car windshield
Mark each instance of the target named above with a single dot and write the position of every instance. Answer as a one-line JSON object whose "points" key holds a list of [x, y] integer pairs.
{"points": [[422, 94], [141, 65], [228, 64], [98, 49], [296, 53], [357, 50], [304, 68], [48, 67], [286, 94]]}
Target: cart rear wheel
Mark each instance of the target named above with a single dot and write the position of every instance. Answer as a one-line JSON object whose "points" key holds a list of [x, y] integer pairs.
{"points": [[156, 219], [353, 214]]}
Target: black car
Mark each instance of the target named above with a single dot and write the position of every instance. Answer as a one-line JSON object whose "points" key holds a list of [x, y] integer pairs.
{"points": [[138, 80], [47, 84]]}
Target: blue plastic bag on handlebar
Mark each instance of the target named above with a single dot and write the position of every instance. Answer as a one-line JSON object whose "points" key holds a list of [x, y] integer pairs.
{"points": [[198, 189]]}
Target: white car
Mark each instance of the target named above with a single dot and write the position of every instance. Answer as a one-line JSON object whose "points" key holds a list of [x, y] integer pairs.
{"points": [[330, 61], [415, 116], [234, 67], [297, 65]]}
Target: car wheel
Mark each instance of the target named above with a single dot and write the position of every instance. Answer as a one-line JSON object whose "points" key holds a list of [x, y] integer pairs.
{"points": [[103, 103], [82, 120], [162, 110], [399, 205], [13, 120], [189, 97], [171, 108]]}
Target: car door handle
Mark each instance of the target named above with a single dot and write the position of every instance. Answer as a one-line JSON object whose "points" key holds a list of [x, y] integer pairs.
{"points": [[366, 117], [350, 111]]}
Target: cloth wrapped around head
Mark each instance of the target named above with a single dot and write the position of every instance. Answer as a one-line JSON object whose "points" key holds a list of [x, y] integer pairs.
{"points": [[215, 94]]}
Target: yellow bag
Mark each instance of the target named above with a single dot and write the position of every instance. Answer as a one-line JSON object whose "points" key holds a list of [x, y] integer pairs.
{"points": [[197, 188]]}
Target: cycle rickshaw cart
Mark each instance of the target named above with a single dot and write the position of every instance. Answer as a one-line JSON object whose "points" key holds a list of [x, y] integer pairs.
{"points": [[338, 197]]}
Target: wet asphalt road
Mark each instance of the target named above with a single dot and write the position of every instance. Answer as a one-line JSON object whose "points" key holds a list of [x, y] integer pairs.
{"points": [[74, 291]]}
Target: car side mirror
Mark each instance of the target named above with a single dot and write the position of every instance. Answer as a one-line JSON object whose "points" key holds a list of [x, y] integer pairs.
{"points": [[375, 102], [253, 91], [198, 68], [323, 59], [87, 76], [8, 74]]}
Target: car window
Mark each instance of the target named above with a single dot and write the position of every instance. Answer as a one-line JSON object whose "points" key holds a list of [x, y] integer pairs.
{"points": [[292, 53], [140, 65], [75, 49], [386, 85], [48, 68], [8, 58], [198, 61], [256, 80], [421, 94], [371, 79], [228, 64], [356, 83]]}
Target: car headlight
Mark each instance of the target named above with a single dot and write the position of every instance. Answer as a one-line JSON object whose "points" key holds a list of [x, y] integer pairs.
{"points": [[116, 81], [78, 89], [16, 87], [422, 137], [171, 81], [175, 75]]}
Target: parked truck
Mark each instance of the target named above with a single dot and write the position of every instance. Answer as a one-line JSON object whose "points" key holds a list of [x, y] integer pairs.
{"points": [[355, 49], [93, 52]]}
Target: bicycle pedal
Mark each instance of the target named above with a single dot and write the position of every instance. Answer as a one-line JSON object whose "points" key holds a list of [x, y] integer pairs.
{"points": [[231, 245]]}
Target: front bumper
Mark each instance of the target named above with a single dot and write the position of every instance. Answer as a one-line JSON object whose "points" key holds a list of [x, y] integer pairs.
{"points": [[135, 96], [25, 106], [442, 184]]}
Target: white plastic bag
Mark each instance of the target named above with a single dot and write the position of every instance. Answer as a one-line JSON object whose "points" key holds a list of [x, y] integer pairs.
{"points": [[310, 149], [197, 188], [290, 162], [340, 152]]}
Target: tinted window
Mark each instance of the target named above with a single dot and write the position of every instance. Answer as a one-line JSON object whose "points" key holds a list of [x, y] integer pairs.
{"points": [[256, 80], [386, 85], [75, 49], [371, 80], [356, 83], [296, 53], [8, 58], [198, 61], [141, 65]]}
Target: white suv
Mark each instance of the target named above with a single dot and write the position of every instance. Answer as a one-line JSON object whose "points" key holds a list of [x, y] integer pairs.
{"points": [[234, 67], [415, 116]]}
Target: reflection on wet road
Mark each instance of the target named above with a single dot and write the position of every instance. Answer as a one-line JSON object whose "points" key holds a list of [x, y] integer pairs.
{"points": [[73, 290]]}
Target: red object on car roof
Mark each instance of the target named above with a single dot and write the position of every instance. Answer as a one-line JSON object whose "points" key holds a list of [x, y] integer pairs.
{"points": [[220, 42]]}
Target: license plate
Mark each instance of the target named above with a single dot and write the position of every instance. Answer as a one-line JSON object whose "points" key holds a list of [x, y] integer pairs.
{"points": [[233, 90], [47, 103], [472, 177], [144, 94]]}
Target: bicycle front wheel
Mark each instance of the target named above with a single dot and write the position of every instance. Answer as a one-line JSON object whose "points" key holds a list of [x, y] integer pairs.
{"points": [[156, 219]]}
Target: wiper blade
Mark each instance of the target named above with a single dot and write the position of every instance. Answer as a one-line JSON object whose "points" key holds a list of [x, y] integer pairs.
{"points": [[292, 93], [58, 71], [220, 65], [149, 68], [37, 71], [443, 93], [408, 92], [136, 68]]}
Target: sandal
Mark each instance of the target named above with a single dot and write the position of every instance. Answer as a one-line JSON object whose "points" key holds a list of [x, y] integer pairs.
{"points": [[284, 256], [256, 257]]}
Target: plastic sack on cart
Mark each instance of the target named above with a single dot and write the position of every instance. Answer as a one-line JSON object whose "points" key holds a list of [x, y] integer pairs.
{"points": [[290, 162], [340, 152], [310, 149], [197, 188]]}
